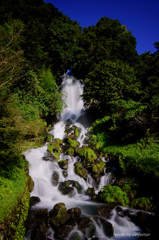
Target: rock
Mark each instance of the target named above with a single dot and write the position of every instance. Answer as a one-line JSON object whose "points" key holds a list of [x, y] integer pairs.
{"points": [[87, 227], [55, 178], [65, 188], [80, 170], [70, 151], [37, 221], [63, 164], [148, 222], [76, 185], [30, 183], [39, 232], [75, 213], [59, 215], [76, 235], [34, 200], [105, 211], [106, 226], [65, 174], [91, 192], [122, 212], [87, 154]]}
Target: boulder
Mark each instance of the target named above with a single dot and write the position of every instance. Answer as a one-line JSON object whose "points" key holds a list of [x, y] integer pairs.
{"points": [[105, 225], [76, 235], [55, 178], [65, 188], [80, 170], [75, 213], [63, 164], [59, 215], [65, 174], [105, 211], [76, 185], [34, 200], [87, 227]]}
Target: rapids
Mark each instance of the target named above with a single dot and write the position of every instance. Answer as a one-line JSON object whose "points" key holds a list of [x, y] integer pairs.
{"points": [[41, 170]]}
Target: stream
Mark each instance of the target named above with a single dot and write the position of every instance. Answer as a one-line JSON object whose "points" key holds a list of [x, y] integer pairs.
{"points": [[42, 168]]}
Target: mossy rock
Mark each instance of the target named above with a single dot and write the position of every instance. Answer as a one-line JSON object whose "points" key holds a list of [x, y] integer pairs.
{"points": [[143, 203], [72, 131], [70, 151], [98, 167], [30, 184], [56, 156], [55, 145], [59, 215], [73, 143], [80, 170], [63, 164], [87, 154]]}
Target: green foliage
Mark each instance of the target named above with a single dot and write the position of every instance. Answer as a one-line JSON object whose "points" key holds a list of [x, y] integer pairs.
{"points": [[10, 190], [141, 157], [143, 203], [114, 194], [87, 154], [73, 143], [56, 156], [98, 167], [80, 170]]}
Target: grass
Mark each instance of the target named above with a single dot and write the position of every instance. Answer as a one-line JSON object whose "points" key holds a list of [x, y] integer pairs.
{"points": [[10, 190]]}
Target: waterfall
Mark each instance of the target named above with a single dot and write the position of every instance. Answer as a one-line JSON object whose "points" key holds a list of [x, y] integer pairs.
{"points": [[42, 167]]}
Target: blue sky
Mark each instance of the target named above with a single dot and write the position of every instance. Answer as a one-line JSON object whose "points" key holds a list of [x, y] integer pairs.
{"points": [[140, 16]]}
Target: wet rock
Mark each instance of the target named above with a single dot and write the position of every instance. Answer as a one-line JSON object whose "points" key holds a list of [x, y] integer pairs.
{"points": [[76, 235], [80, 170], [105, 225], [65, 188], [63, 164], [65, 174], [42, 215], [37, 221], [39, 232], [86, 226], [75, 213], [91, 192], [34, 200], [76, 185], [70, 151], [105, 211], [122, 212], [55, 178], [59, 215], [148, 222], [97, 178]]}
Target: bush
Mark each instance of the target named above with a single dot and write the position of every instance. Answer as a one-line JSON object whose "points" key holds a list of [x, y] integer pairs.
{"points": [[114, 194]]}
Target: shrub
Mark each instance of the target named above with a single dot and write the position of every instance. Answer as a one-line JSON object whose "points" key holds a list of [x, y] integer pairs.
{"points": [[114, 194]]}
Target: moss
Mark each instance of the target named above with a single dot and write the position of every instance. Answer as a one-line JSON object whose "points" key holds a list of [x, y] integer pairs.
{"points": [[70, 151], [14, 217], [144, 203], [98, 168], [80, 170], [76, 132], [55, 145], [114, 194], [59, 215], [56, 156], [87, 154], [73, 143]]}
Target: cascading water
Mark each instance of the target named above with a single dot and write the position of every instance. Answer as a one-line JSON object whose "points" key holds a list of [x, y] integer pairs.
{"points": [[42, 171]]}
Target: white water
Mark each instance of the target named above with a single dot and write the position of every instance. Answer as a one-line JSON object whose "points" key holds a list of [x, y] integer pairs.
{"points": [[41, 171]]}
